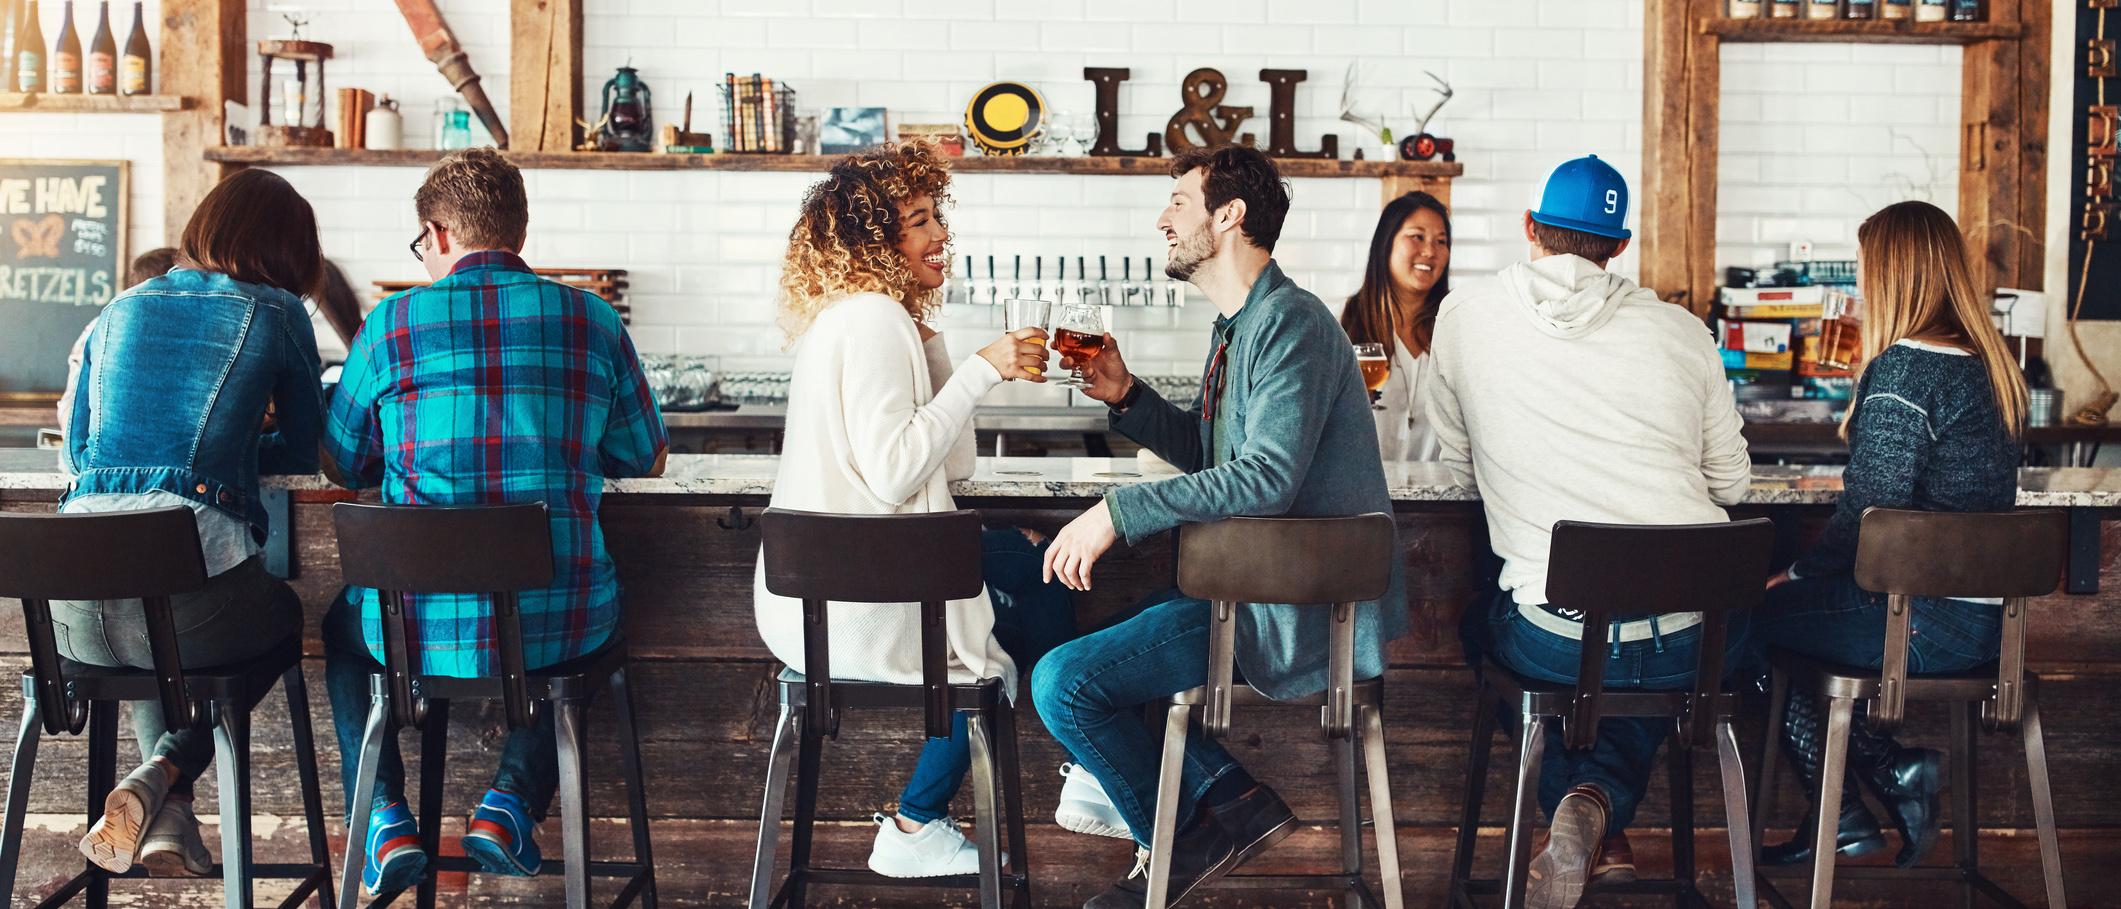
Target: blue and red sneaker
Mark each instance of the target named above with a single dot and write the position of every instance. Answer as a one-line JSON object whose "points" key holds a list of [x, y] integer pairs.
{"points": [[500, 835], [395, 861]]}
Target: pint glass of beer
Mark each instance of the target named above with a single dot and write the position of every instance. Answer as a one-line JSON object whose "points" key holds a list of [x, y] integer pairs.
{"points": [[1376, 368], [1017, 314]]}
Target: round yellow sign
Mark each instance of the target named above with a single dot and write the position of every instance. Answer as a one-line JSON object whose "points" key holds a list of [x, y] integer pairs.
{"points": [[1006, 113]]}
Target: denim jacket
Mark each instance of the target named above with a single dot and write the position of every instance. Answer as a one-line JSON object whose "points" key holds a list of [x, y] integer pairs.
{"points": [[172, 391], [1291, 435]]}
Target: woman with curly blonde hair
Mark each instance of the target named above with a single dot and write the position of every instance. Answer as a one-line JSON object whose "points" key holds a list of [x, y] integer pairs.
{"points": [[879, 422]]}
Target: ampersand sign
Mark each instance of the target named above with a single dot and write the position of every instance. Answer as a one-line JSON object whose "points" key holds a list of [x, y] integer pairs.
{"points": [[1203, 90], [38, 238]]}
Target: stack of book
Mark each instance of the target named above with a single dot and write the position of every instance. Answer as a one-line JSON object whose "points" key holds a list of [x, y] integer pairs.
{"points": [[1782, 343], [757, 115]]}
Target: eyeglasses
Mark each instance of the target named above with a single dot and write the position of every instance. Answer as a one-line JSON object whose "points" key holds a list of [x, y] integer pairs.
{"points": [[417, 254]]}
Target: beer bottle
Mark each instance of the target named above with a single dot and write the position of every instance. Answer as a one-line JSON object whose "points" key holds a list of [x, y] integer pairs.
{"points": [[66, 56], [103, 56], [29, 52], [1860, 9], [138, 67]]}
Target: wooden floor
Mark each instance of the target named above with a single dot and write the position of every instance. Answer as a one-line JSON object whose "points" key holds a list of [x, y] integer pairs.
{"points": [[703, 685]]}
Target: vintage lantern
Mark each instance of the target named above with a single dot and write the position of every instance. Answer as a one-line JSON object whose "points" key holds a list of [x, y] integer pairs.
{"points": [[301, 101]]}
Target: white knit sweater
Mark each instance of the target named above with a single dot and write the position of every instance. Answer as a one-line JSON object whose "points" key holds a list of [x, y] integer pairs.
{"points": [[879, 424]]}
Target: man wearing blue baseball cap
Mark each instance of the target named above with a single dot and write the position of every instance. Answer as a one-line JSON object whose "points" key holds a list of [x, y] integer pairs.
{"points": [[1566, 392]]}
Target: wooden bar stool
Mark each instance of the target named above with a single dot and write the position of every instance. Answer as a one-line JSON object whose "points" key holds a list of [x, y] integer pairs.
{"points": [[1907, 554], [148, 555], [1333, 563], [1625, 572], [909, 558], [499, 551]]}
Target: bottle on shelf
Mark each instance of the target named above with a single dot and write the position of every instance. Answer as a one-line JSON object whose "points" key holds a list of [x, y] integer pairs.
{"points": [[1860, 9], [1932, 10], [1822, 9], [66, 56], [29, 53], [1743, 9], [1786, 9], [103, 55], [1967, 11], [385, 128], [137, 69], [1898, 9]]}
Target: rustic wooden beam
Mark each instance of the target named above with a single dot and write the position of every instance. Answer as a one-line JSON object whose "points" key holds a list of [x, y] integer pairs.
{"points": [[202, 57], [1991, 161], [545, 75], [1677, 199], [2035, 74], [1395, 186]]}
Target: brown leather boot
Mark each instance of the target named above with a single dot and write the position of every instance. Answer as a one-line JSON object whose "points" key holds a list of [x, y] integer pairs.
{"points": [[1616, 861]]}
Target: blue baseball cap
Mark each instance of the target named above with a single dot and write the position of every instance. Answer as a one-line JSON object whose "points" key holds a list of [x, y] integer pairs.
{"points": [[1587, 195]]}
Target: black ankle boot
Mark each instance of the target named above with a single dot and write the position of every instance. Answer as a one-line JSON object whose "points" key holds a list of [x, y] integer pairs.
{"points": [[1803, 742], [1907, 782]]}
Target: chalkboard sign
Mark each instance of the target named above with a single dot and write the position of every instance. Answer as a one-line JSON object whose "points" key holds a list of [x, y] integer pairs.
{"points": [[62, 256]]}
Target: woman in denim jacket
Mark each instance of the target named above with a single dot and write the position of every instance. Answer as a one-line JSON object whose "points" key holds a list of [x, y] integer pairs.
{"points": [[189, 387]]}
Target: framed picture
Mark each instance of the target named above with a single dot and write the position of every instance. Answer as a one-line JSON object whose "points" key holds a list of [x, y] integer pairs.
{"points": [[847, 130]]}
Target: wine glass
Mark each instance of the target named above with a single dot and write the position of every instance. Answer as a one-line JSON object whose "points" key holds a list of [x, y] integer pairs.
{"points": [[1079, 334], [1376, 368], [1084, 126], [1060, 138], [1028, 313]]}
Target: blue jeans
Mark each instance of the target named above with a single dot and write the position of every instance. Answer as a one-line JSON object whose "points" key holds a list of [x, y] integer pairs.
{"points": [[1031, 617], [530, 763], [1090, 691], [1619, 763], [1833, 619]]}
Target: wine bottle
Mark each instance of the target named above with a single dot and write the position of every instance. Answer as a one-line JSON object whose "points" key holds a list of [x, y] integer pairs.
{"points": [[103, 56], [66, 56], [29, 52], [137, 69]]}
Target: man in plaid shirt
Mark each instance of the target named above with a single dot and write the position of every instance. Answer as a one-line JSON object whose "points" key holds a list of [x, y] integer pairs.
{"points": [[490, 386]]}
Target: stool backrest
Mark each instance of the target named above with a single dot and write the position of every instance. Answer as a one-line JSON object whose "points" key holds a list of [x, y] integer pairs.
{"points": [[150, 555], [1905, 554], [898, 558], [1334, 561], [494, 550], [1622, 572]]}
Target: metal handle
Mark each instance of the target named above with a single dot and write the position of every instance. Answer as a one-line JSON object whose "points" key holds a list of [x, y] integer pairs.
{"points": [[1222, 674], [1891, 707]]}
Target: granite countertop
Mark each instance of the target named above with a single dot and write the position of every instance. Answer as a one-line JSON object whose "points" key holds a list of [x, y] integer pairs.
{"points": [[1410, 481]]}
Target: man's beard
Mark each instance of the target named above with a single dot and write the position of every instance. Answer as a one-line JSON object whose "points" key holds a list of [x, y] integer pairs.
{"points": [[1193, 251]]}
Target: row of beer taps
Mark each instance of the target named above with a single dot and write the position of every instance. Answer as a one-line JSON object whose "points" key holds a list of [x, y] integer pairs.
{"points": [[1149, 289]]}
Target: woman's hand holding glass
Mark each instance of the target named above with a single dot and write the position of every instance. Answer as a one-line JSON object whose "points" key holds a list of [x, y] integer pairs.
{"points": [[1020, 354]]}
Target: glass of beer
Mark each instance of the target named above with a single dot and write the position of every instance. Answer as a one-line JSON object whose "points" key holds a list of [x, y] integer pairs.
{"points": [[1079, 334], [1376, 368], [1019, 314]]}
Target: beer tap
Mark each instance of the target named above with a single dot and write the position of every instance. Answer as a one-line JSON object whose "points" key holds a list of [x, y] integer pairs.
{"points": [[1016, 279], [1149, 277], [1126, 280], [993, 286], [1082, 281], [1038, 277], [964, 282], [1060, 280], [1104, 283]]}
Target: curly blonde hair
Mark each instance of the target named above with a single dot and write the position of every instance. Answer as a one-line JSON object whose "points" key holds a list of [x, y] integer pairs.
{"points": [[845, 241]]}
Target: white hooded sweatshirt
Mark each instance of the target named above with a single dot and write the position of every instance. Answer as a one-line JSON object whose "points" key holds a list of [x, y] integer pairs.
{"points": [[1564, 392]]}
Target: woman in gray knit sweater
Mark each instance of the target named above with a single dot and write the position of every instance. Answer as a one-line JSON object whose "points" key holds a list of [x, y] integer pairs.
{"points": [[1933, 426]]}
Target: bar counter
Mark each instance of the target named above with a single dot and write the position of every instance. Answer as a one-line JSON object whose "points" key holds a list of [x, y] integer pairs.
{"points": [[686, 544]]}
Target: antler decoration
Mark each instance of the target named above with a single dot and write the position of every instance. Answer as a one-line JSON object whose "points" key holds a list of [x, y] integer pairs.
{"points": [[1347, 107], [1422, 125]]}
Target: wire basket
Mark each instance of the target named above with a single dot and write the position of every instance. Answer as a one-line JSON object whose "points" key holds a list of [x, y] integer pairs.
{"points": [[758, 115]]}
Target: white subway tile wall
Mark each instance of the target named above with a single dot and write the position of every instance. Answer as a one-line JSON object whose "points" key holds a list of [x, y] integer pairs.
{"points": [[1536, 81]]}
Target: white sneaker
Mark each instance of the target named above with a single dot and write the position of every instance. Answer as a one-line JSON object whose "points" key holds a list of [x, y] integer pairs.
{"points": [[937, 849], [173, 847], [1084, 808], [114, 842]]}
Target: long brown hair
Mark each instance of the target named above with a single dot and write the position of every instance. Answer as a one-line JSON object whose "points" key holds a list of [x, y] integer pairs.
{"points": [[255, 228], [845, 241], [1370, 317], [1916, 282]]}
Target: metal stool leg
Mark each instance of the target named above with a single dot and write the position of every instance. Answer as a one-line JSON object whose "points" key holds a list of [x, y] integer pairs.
{"points": [[1530, 750], [2043, 804], [986, 809], [434, 758], [1735, 816], [102, 778], [1381, 817], [636, 783], [1679, 762], [1165, 826], [20, 775], [1770, 752], [232, 759], [1966, 827], [574, 808], [372, 739], [297, 690], [1831, 768], [1344, 791], [786, 732], [1013, 802], [1483, 744], [809, 753]]}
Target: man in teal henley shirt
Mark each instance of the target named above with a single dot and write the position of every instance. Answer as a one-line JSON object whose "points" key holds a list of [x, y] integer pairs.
{"points": [[1283, 427]]}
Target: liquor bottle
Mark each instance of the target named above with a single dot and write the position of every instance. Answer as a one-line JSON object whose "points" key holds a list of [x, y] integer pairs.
{"points": [[1783, 9], [1932, 11], [1822, 9], [1860, 9], [1898, 9], [29, 53], [66, 56], [1744, 9], [136, 71], [103, 56]]}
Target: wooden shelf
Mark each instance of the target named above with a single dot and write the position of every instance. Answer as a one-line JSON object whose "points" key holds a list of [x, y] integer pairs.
{"points": [[45, 102], [1290, 167], [1857, 31]]}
